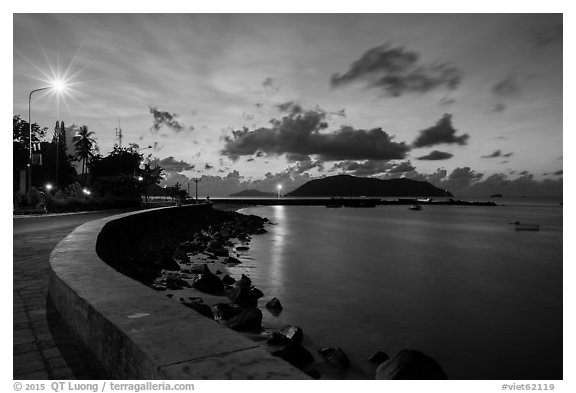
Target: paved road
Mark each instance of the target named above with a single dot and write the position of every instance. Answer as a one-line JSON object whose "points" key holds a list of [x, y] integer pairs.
{"points": [[44, 348]]}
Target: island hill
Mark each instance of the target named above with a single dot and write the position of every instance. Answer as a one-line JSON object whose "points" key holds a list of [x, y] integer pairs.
{"points": [[352, 186], [253, 193]]}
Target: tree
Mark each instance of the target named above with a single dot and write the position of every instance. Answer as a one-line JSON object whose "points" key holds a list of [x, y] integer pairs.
{"points": [[21, 146], [85, 145]]}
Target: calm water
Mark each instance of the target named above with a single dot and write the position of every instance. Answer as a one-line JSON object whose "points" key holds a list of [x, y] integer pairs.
{"points": [[455, 282]]}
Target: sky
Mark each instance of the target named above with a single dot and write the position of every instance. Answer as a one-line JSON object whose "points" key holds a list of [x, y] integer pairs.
{"points": [[470, 102]]}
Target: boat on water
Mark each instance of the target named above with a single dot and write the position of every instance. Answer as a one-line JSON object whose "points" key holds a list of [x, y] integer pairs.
{"points": [[525, 227], [415, 207]]}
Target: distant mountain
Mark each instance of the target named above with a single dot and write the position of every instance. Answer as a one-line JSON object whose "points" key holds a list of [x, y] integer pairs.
{"points": [[351, 186], [253, 193]]}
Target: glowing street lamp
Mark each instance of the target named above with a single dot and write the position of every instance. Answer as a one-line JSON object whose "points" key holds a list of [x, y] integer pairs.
{"points": [[279, 188], [48, 187], [58, 86]]}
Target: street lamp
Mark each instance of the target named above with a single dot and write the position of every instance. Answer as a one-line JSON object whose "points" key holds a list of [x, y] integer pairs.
{"points": [[48, 187], [279, 188], [58, 86]]}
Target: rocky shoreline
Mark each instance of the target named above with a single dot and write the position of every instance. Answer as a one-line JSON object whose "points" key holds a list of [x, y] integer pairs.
{"points": [[194, 272]]}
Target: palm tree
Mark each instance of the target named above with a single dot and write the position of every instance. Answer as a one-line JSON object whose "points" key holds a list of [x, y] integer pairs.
{"points": [[85, 146]]}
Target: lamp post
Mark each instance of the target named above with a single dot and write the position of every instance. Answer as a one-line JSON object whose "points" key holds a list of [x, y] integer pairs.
{"points": [[196, 180], [30, 135], [57, 85]]}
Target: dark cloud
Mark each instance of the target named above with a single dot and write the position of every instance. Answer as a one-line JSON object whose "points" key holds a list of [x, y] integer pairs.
{"points": [[507, 87], [208, 166], [304, 163], [386, 169], [364, 168], [290, 107], [340, 112], [559, 173], [293, 157], [442, 132], [165, 119], [397, 71], [401, 168], [497, 153], [300, 133], [270, 85], [258, 105], [436, 155], [170, 164]]}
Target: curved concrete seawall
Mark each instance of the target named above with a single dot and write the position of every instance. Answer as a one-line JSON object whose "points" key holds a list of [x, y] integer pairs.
{"points": [[136, 332]]}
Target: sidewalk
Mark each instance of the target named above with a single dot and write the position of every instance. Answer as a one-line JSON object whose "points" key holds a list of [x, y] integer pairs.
{"points": [[43, 346]]}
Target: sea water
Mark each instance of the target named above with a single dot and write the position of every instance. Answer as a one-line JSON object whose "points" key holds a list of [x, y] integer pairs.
{"points": [[458, 283]]}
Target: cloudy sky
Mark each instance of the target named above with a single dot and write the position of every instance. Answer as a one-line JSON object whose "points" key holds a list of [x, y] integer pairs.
{"points": [[247, 101]]}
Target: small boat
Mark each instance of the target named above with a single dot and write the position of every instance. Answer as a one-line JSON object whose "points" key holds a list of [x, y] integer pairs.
{"points": [[415, 207], [525, 227]]}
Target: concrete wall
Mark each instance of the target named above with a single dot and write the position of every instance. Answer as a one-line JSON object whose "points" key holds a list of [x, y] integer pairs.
{"points": [[136, 332]]}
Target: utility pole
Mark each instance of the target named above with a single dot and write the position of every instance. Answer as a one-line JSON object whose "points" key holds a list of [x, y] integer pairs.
{"points": [[57, 140], [119, 134], [196, 180]]}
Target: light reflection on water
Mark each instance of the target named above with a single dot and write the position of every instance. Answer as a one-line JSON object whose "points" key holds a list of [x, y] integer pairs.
{"points": [[456, 282]]}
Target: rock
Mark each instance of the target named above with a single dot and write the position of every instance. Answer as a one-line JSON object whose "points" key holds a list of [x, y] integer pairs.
{"points": [[220, 252], [274, 304], [292, 333], [218, 272], [170, 294], [227, 280], [242, 248], [410, 364], [232, 261], [256, 293], [336, 357], [296, 355], [378, 357], [241, 296], [202, 308], [208, 282], [314, 373], [250, 319], [225, 311], [278, 339], [244, 281], [175, 283], [159, 287]]}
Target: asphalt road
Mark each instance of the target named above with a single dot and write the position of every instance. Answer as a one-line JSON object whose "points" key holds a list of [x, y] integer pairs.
{"points": [[44, 347]]}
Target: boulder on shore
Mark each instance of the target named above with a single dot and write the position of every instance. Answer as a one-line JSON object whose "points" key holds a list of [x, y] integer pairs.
{"points": [[274, 304], [225, 311], [208, 282], [293, 333], [379, 357], [335, 357], [247, 320], [227, 280], [242, 296], [410, 364]]}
